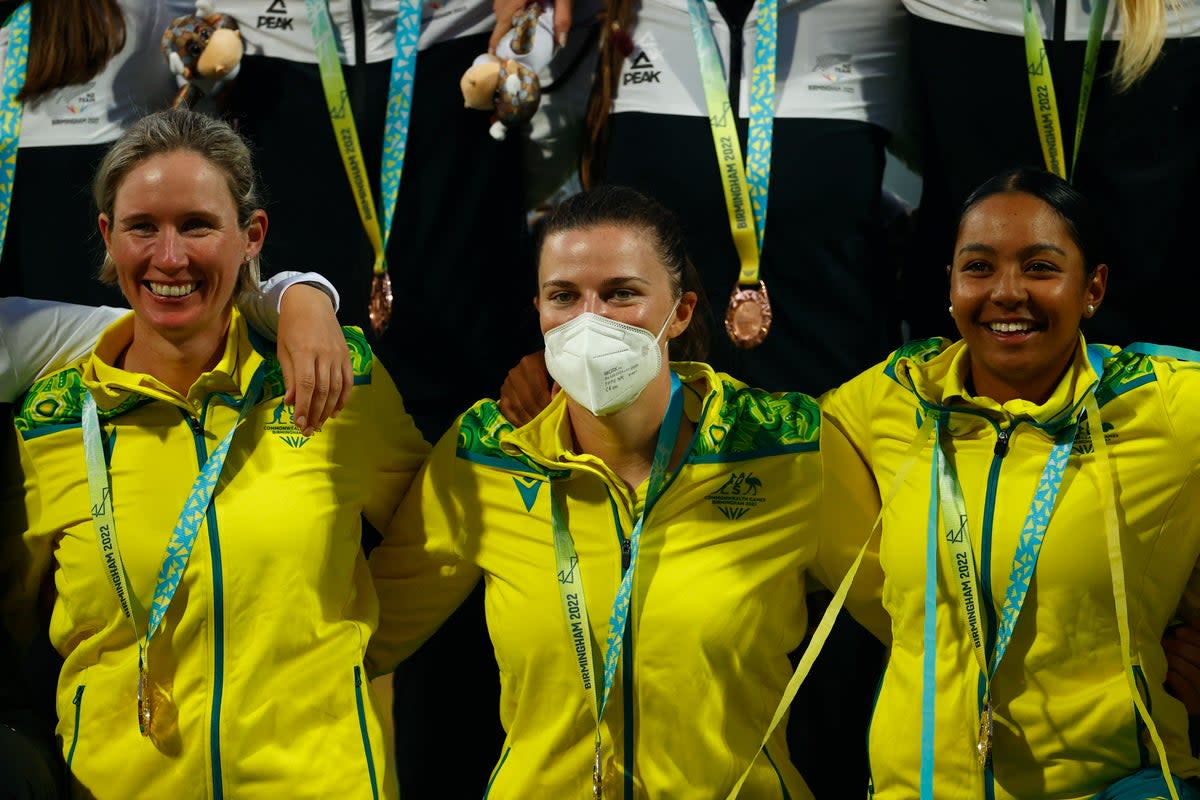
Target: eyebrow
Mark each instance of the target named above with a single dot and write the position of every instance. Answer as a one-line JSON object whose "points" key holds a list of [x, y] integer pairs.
{"points": [[1024, 252], [622, 280]]}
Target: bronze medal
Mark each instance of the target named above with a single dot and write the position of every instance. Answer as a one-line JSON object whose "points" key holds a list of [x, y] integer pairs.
{"points": [[983, 748], [379, 309], [748, 318]]}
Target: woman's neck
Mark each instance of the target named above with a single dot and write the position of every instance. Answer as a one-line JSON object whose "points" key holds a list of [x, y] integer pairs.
{"points": [[177, 364], [626, 440]]}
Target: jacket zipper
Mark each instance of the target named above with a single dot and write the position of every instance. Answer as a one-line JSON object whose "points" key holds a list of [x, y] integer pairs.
{"points": [[985, 573], [78, 702], [214, 728], [626, 660], [362, 726]]}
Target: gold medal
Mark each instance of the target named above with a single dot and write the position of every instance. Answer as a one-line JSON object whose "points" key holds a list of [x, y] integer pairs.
{"points": [[983, 748], [597, 774], [145, 714], [748, 318]]}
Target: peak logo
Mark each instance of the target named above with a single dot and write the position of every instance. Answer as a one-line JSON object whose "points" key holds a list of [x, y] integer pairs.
{"points": [[275, 17], [738, 495], [641, 70], [286, 432]]}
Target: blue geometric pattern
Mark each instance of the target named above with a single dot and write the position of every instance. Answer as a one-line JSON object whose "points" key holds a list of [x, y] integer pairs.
{"points": [[11, 109], [183, 537], [658, 473], [399, 108], [762, 114], [1030, 545]]}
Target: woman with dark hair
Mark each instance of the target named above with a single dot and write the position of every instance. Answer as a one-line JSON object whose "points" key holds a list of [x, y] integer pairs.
{"points": [[1118, 81], [644, 542], [1045, 526]]}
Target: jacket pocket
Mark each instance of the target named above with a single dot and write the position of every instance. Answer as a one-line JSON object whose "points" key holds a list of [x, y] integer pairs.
{"points": [[366, 735], [78, 703], [496, 772]]}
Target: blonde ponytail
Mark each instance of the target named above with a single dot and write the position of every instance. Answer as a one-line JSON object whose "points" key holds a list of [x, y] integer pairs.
{"points": [[1145, 29]]}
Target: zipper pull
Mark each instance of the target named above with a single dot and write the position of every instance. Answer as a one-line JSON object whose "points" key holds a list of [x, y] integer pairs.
{"points": [[625, 554], [1001, 443]]}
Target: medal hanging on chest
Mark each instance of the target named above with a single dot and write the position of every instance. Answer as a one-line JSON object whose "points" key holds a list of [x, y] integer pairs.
{"points": [[983, 746], [744, 183], [748, 318]]}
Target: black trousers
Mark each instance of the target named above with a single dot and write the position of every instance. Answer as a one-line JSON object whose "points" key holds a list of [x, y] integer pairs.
{"points": [[1139, 165], [53, 249], [463, 279]]}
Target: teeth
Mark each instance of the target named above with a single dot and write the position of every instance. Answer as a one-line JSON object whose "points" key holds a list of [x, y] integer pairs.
{"points": [[171, 289], [1010, 327]]}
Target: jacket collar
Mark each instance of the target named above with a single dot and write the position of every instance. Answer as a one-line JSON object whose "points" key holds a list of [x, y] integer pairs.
{"points": [[112, 386], [940, 383], [548, 439]]}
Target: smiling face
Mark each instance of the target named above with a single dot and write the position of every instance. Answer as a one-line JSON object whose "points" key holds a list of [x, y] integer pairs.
{"points": [[177, 246], [612, 271], [1019, 287]]}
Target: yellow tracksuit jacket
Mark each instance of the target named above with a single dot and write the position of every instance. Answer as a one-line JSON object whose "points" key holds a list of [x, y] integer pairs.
{"points": [[718, 596], [262, 648], [1065, 721]]}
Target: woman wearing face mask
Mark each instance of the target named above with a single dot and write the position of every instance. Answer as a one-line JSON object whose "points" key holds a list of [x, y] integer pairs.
{"points": [[1050, 518], [645, 541]]}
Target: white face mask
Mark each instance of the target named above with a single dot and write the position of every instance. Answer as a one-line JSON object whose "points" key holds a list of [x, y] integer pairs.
{"points": [[602, 364]]}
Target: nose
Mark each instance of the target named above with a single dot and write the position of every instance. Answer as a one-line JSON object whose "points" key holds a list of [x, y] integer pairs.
{"points": [[1009, 288], [169, 252], [593, 303]]}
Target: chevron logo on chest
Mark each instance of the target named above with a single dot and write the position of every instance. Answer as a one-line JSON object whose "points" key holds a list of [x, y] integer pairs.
{"points": [[528, 488]]}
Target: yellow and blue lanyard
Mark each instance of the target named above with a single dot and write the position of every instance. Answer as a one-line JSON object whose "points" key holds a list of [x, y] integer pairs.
{"points": [[395, 137], [948, 495], [570, 580], [1041, 88], [745, 184], [183, 537], [11, 109]]}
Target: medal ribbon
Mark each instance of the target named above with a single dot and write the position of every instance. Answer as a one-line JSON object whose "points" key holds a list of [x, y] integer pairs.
{"points": [[821, 632], [183, 537], [16, 57], [962, 570], [745, 187], [1041, 87], [570, 579], [399, 110], [1112, 533]]}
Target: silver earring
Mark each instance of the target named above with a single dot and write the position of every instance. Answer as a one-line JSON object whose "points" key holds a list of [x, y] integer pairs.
{"points": [[951, 309], [1091, 309]]}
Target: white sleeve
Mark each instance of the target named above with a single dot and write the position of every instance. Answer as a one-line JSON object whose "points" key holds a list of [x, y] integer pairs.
{"points": [[262, 310], [38, 337]]}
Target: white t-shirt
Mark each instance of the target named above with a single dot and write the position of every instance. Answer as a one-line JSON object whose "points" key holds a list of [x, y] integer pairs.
{"points": [[136, 81], [1007, 16], [841, 59], [280, 29]]}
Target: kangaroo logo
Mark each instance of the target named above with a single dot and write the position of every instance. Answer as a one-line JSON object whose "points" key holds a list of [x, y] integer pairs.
{"points": [[287, 432]]}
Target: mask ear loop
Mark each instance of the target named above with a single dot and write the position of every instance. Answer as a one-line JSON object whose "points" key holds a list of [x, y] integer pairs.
{"points": [[667, 322]]}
